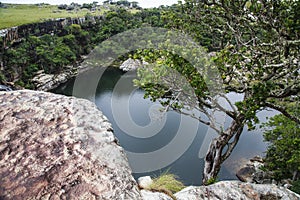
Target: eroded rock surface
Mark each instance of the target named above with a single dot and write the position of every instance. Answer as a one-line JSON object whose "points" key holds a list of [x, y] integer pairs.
{"points": [[226, 190], [132, 65], [251, 172], [144, 182], [56, 147], [148, 195], [47, 82]]}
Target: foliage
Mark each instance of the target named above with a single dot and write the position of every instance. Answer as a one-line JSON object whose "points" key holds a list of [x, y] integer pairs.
{"points": [[166, 183], [256, 50], [123, 2], [283, 154], [52, 52], [47, 53], [257, 55], [212, 181], [296, 186]]}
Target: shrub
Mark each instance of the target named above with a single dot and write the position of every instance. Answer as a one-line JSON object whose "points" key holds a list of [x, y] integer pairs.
{"points": [[296, 187], [166, 183]]}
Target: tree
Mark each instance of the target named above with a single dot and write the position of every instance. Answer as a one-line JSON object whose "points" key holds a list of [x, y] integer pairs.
{"points": [[62, 6], [53, 54], [124, 3], [257, 44], [82, 38], [135, 4], [283, 154], [87, 5]]}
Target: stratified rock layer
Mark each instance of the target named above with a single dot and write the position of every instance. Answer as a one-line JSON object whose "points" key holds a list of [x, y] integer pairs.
{"points": [[56, 147]]}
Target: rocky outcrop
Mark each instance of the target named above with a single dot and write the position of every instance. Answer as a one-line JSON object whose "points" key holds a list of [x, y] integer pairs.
{"points": [[47, 82], [54, 26], [252, 172], [148, 195], [56, 147], [145, 182], [227, 190], [132, 65]]}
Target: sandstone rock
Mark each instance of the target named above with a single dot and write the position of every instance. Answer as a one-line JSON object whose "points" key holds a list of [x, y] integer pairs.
{"points": [[46, 82], [148, 195], [226, 190], [131, 65], [257, 159], [251, 172], [56, 147], [145, 181], [245, 174]]}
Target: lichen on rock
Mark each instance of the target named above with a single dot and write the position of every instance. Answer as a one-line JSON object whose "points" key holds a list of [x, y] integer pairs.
{"points": [[56, 147]]}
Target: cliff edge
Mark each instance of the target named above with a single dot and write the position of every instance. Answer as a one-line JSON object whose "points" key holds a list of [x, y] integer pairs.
{"points": [[57, 147]]}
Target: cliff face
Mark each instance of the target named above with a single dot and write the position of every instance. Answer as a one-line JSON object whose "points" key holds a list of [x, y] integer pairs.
{"points": [[51, 26], [56, 147]]}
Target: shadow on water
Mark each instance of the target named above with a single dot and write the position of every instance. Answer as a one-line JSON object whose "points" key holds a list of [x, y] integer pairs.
{"points": [[189, 166]]}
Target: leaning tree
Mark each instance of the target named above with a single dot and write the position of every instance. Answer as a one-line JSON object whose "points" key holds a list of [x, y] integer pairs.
{"points": [[256, 51]]}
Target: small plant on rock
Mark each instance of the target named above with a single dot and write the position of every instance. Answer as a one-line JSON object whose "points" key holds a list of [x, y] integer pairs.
{"points": [[166, 183]]}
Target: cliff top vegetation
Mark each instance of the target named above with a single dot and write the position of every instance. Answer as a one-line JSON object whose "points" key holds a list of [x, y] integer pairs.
{"points": [[18, 14]]}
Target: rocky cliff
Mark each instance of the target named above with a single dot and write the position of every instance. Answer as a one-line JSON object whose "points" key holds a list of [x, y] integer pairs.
{"points": [[56, 147], [54, 26]]}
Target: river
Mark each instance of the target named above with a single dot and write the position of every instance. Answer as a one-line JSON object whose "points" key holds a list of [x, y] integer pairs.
{"points": [[141, 130]]}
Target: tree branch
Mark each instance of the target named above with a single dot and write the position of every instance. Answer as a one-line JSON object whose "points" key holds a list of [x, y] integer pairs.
{"points": [[283, 111]]}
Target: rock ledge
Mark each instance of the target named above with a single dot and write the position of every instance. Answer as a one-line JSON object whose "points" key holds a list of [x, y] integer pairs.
{"points": [[56, 147]]}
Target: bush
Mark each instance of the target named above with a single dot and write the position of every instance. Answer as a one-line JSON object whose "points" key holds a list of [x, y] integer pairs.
{"points": [[166, 183], [62, 6], [296, 187], [283, 154]]}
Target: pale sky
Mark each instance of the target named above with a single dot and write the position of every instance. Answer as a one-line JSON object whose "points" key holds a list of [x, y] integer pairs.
{"points": [[142, 3]]}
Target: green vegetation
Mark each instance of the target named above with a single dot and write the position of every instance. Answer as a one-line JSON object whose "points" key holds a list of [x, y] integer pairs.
{"points": [[47, 52], [256, 51], [283, 154], [52, 53], [296, 186], [211, 181], [166, 183], [254, 46]]}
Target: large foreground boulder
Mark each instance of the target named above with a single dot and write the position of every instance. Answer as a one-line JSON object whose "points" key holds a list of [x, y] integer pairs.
{"points": [[228, 190], [56, 147]]}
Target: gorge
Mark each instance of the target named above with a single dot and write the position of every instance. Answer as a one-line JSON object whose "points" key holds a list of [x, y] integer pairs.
{"points": [[257, 68], [145, 131]]}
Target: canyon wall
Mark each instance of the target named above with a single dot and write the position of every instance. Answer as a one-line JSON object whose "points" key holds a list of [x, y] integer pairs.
{"points": [[53, 26]]}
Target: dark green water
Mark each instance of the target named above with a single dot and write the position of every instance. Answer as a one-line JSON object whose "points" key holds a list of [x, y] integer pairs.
{"points": [[116, 98]]}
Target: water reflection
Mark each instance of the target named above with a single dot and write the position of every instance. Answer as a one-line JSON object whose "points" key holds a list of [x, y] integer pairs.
{"points": [[160, 133]]}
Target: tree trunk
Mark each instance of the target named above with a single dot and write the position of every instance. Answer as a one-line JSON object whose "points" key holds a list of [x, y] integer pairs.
{"points": [[217, 153]]}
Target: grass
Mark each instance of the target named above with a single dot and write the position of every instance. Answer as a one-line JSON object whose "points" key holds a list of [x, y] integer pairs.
{"points": [[18, 14], [166, 183]]}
